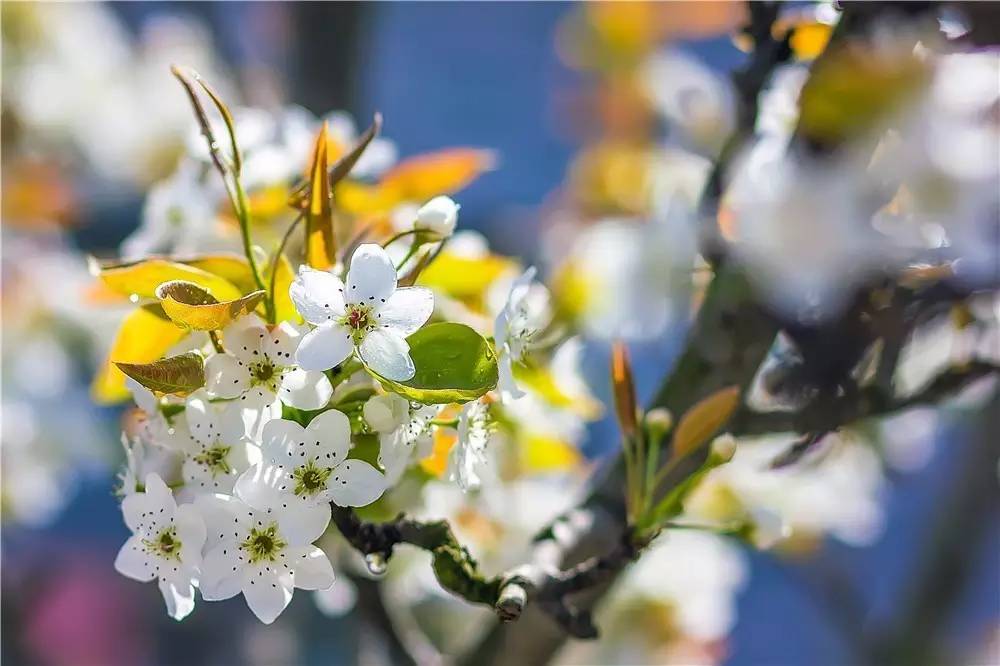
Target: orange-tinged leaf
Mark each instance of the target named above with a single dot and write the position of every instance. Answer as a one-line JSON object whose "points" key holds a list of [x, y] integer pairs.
{"points": [[190, 306], [141, 278], [424, 176], [178, 375], [626, 406], [145, 335], [703, 419], [321, 249]]}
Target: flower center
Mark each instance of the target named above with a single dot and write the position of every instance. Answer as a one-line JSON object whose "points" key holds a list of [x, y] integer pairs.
{"points": [[310, 478], [165, 545], [265, 372], [215, 459], [359, 320], [263, 544]]}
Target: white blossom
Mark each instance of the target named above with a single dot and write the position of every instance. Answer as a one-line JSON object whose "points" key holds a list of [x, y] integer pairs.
{"points": [[156, 427], [259, 371], [439, 215], [410, 437], [369, 315], [165, 545], [263, 551], [309, 466], [523, 316], [469, 458], [219, 449]]}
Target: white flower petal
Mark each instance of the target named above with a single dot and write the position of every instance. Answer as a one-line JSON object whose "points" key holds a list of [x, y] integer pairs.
{"points": [[301, 522], [313, 570], [179, 598], [134, 562], [328, 438], [281, 343], [201, 420], [262, 486], [355, 483], [225, 377], [305, 389], [267, 595], [245, 343], [371, 277], [225, 517], [278, 438], [221, 572], [255, 409], [509, 390], [325, 347], [318, 295], [191, 532], [143, 397], [407, 310], [387, 354]]}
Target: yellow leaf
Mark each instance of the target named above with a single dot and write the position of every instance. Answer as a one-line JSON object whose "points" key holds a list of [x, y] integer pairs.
{"points": [[190, 306], [540, 453], [143, 277], [284, 308], [626, 406], [464, 277], [701, 421], [540, 380], [232, 267], [145, 336], [424, 176]]}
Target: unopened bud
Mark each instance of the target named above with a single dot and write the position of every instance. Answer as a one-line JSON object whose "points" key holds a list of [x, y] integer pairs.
{"points": [[658, 422], [439, 215], [384, 413], [723, 449]]}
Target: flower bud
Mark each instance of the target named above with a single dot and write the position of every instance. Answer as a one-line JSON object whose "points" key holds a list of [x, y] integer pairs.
{"points": [[439, 215], [723, 449], [384, 413], [658, 422]]}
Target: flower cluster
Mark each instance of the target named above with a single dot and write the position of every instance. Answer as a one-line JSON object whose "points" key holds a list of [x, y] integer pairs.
{"points": [[334, 384]]}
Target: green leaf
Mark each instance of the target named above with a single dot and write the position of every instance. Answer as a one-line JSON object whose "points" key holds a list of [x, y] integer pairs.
{"points": [[178, 374], [188, 305], [453, 363]]}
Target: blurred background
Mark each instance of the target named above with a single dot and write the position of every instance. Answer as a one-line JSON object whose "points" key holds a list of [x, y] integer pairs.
{"points": [[92, 120]]}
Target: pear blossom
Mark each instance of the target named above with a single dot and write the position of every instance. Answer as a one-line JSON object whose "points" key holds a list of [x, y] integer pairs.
{"points": [[156, 426], [263, 551], [309, 466], [258, 369], [369, 315], [403, 436], [219, 449], [143, 458], [524, 315], [469, 459], [165, 545], [439, 215]]}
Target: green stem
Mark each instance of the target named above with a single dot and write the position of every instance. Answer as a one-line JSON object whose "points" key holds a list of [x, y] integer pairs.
{"points": [[241, 206]]}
